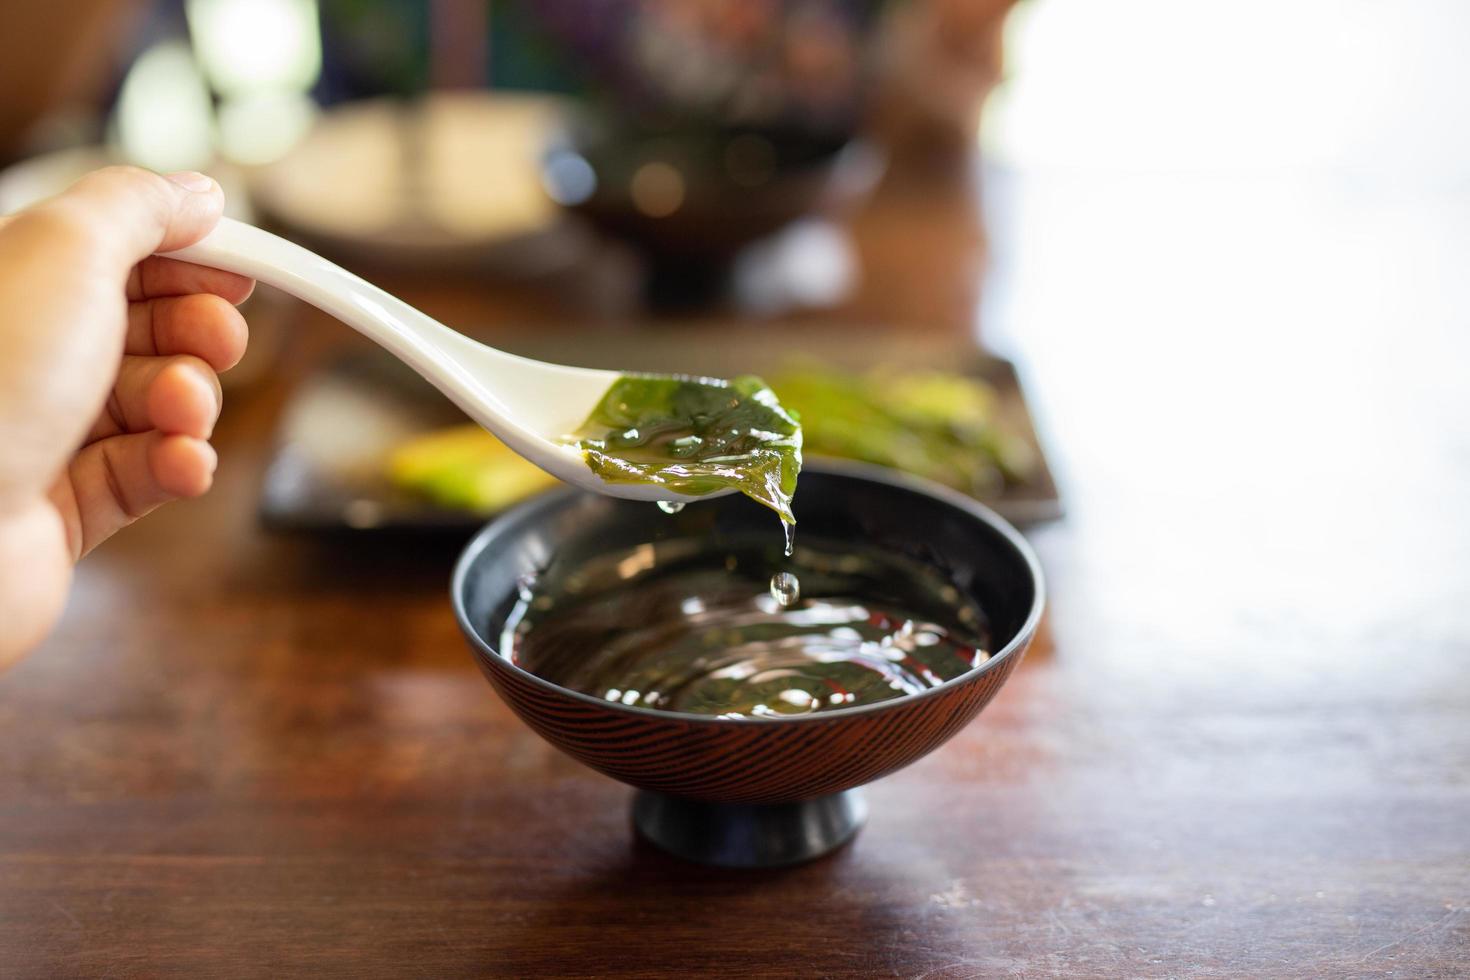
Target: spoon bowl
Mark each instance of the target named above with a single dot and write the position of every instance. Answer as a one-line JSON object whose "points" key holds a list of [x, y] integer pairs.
{"points": [[530, 405]]}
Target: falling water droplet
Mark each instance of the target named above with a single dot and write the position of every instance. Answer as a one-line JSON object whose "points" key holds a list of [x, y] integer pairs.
{"points": [[671, 506], [790, 530], [785, 589]]}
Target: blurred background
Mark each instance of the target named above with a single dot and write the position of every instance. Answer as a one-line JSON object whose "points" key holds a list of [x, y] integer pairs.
{"points": [[1180, 287], [684, 134], [656, 185], [1224, 243]]}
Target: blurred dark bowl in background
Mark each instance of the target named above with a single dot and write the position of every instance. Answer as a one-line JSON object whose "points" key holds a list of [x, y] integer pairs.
{"points": [[690, 200], [709, 193]]}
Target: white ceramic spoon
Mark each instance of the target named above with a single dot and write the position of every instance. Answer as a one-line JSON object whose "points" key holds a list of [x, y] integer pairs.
{"points": [[529, 404]]}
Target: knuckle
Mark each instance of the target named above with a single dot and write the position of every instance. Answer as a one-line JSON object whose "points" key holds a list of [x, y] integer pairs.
{"points": [[59, 223], [144, 186], [126, 177], [115, 172], [83, 219]]}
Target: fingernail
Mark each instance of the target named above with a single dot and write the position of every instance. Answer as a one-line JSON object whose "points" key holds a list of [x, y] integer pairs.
{"points": [[192, 180]]}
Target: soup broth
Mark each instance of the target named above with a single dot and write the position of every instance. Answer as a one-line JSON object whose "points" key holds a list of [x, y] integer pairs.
{"points": [[692, 626]]}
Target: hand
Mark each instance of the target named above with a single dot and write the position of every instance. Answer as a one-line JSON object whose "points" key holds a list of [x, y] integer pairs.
{"points": [[108, 375]]}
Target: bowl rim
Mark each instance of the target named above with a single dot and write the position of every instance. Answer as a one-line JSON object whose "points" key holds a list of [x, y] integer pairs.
{"points": [[511, 519]]}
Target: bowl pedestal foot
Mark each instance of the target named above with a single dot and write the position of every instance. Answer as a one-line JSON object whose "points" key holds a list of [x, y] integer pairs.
{"points": [[743, 835]]}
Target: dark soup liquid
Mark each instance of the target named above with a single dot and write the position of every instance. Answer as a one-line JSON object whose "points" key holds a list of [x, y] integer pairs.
{"points": [[694, 626]]}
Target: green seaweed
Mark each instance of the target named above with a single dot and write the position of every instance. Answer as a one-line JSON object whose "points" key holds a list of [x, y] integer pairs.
{"points": [[695, 436], [945, 427]]}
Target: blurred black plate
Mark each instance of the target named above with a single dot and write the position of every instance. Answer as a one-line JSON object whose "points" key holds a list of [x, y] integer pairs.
{"points": [[327, 473]]}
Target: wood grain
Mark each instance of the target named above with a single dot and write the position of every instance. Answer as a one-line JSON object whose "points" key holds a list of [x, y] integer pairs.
{"points": [[1241, 746]]}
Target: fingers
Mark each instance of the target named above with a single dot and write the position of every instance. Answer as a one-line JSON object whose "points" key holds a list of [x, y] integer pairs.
{"points": [[158, 276], [203, 325], [168, 380], [127, 213], [116, 481], [177, 395]]}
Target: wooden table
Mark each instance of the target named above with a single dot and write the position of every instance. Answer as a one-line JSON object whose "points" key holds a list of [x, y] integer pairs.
{"points": [[1240, 748]]}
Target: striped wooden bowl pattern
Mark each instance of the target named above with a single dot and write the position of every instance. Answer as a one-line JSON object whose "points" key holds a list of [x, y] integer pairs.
{"points": [[755, 760], [747, 761]]}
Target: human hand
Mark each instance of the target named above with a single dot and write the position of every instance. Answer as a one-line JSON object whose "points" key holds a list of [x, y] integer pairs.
{"points": [[108, 375]]}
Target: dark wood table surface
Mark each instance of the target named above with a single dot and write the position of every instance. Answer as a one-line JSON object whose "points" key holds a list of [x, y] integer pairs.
{"points": [[1241, 746]]}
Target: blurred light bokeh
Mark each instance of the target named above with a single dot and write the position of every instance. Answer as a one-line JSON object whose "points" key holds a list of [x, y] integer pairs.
{"points": [[1347, 86]]}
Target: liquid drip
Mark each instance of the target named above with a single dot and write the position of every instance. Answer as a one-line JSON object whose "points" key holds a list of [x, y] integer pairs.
{"points": [[785, 589], [672, 507], [692, 628]]}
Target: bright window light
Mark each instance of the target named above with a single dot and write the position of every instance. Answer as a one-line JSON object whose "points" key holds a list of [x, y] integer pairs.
{"points": [[259, 129], [249, 46], [164, 117]]}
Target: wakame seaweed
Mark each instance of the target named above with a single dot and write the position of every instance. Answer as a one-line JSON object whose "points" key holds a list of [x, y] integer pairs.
{"points": [[695, 436]]}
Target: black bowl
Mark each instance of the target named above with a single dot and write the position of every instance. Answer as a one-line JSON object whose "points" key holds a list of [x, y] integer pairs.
{"points": [[707, 204], [754, 791]]}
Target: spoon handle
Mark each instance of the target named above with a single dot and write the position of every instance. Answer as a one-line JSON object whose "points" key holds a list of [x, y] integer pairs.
{"points": [[425, 344], [528, 404]]}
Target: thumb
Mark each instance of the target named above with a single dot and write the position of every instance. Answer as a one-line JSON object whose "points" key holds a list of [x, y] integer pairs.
{"points": [[130, 213]]}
